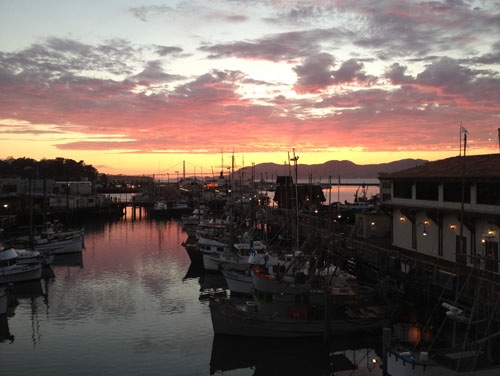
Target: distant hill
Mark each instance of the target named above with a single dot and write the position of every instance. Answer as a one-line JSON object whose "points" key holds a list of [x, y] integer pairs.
{"points": [[333, 169]]}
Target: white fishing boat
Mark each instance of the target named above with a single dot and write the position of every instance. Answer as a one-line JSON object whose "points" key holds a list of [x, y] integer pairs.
{"points": [[166, 209], [71, 244], [192, 220], [240, 257], [209, 247], [52, 240], [239, 276], [11, 271], [30, 256], [239, 282], [215, 228]]}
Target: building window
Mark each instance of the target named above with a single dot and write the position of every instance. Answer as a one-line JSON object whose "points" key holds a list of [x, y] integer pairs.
{"points": [[452, 192], [427, 191], [488, 193], [402, 189]]}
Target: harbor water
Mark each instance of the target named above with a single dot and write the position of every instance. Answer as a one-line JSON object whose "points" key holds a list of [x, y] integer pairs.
{"points": [[132, 304]]}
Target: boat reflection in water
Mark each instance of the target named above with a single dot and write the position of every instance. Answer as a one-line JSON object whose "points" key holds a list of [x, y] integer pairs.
{"points": [[69, 259], [28, 289], [5, 334], [269, 356]]}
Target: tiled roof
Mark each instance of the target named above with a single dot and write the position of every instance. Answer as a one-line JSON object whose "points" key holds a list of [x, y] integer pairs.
{"points": [[471, 167]]}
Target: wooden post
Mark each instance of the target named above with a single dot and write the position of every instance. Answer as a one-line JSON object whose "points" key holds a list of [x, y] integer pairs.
{"points": [[386, 340], [326, 335]]}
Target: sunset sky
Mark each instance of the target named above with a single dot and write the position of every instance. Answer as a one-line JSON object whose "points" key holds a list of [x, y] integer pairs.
{"points": [[138, 86]]}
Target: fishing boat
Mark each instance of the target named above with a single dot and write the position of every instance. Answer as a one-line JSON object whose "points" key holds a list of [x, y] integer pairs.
{"points": [[242, 318], [52, 240], [30, 256], [72, 243], [295, 309], [240, 257], [238, 282], [240, 279], [11, 271], [167, 209], [192, 220]]}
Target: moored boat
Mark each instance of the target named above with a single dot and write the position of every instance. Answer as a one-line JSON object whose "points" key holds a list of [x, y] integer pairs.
{"points": [[239, 282], [30, 256], [11, 271], [243, 319], [54, 240]]}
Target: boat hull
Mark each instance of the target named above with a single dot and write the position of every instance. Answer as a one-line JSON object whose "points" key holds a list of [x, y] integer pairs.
{"points": [[227, 319], [56, 247], [21, 273], [238, 282]]}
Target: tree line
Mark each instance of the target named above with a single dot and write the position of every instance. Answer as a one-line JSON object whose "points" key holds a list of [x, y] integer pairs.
{"points": [[59, 169]]}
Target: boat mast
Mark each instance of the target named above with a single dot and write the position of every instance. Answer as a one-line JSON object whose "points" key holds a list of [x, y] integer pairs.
{"points": [[294, 159]]}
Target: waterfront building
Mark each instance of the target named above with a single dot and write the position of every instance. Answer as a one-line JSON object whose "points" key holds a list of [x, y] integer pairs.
{"points": [[446, 219]]}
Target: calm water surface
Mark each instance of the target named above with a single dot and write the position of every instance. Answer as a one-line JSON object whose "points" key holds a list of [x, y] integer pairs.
{"points": [[130, 305]]}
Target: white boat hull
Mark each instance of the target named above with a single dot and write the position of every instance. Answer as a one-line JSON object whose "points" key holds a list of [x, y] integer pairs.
{"points": [[20, 273], [238, 282], [54, 247]]}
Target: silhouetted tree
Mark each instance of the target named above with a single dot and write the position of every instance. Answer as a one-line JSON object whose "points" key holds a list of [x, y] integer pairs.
{"points": [[58, 169]]}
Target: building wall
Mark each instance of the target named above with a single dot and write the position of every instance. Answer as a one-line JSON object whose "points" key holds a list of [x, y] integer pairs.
{"points": [[401, 230], [373, 225], [408, 234]]}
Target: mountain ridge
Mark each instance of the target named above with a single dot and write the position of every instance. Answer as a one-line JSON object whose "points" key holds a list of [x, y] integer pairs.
{"points": [[334, 169]]}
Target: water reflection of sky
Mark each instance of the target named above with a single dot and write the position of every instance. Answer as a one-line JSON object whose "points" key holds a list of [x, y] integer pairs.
{"points": [[124, 308], [128, 306]]}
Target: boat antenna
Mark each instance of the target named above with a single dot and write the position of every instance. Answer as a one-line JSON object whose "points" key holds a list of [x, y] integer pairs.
{"points": [[294, 159]]}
